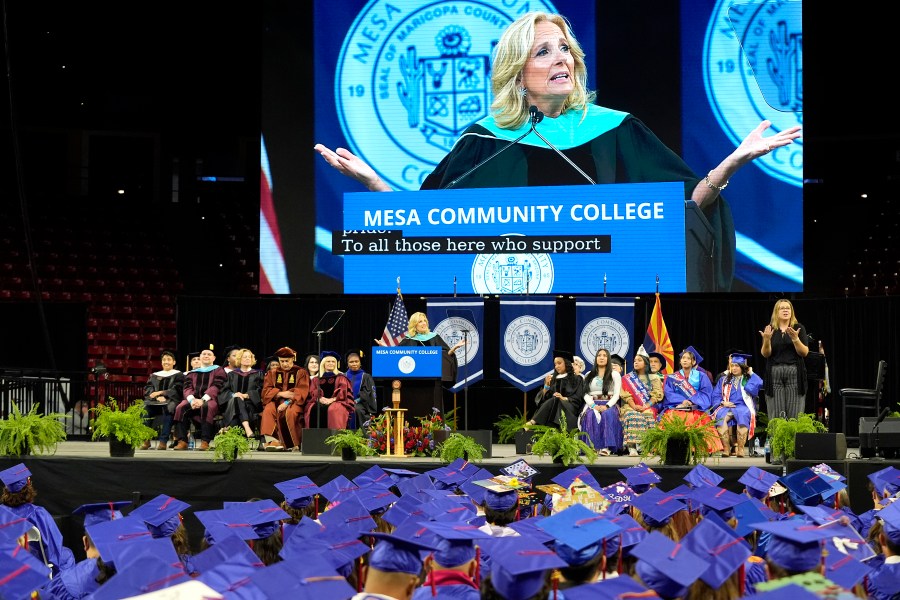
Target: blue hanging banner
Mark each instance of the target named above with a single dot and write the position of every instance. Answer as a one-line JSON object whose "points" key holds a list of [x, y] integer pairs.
{"points": [[526, 341], [604, 323], [454, 319]]}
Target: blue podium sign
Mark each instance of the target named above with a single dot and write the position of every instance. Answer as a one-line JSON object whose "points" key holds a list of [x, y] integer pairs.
{"points": [[406, 362]]}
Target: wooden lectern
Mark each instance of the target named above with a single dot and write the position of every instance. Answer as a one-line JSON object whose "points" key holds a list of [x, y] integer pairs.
{"points": [[396, 423]]}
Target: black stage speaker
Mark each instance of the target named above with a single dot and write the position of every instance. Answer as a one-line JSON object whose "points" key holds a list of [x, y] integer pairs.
{"points": [[313, 443], [820, 446]]}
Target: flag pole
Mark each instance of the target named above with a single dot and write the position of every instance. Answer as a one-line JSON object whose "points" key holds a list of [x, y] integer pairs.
{"points": [[398, 288], [604, 285]]}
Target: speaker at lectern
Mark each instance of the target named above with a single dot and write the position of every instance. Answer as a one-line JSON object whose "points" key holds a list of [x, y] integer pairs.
{"points": [[418, 368]]}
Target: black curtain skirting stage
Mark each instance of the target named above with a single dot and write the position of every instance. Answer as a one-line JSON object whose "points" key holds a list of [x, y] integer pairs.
{"points": [[63, 484]]}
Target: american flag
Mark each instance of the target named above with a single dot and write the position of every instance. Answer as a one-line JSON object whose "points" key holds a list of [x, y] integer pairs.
{"points": [[397, 323]]}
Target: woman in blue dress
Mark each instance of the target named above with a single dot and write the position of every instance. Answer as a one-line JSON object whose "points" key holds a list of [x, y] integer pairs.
{"points": [[734, 403], [600, 415]]}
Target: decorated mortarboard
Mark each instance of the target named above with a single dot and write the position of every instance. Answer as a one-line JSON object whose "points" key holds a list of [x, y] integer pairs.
{"points": [[15, 478], [519, 565], [843, 569], [162, 514], [298, 492], [376, 498], [395, 554], [12, 526], [616, 588], [501, 492], [336, 487], [97, 512], [890, 518], [565, 354], [22, 575], [701, 475], [805, 486], [579, 532], [665, 566], [520, 469], [107, 534], [350, 513], [456, 542], [310, 579], [845, 539], [723, 550], [619, 492], [795, 544], [758, 482], [231, 549], [568, 477], [717, 499], [748, 512], [339, 547], [657, 507], [374, 475], [697, 358], [640, 477]]}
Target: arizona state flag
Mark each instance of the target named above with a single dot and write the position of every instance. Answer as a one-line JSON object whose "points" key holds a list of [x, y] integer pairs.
{"points": [[657, 338]]}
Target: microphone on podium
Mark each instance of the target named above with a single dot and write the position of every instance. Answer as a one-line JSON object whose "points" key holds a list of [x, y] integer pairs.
{"points": [[536, 116]]}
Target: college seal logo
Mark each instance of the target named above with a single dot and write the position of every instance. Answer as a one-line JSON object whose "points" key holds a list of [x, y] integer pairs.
{"points": [[406, 364], [451, 331], [512, 273], [604, 333], [412, 75], [527, 340], [752, 62]]}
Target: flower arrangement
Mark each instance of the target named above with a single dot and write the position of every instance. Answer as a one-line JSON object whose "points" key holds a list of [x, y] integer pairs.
{"points": [[418, 440]]}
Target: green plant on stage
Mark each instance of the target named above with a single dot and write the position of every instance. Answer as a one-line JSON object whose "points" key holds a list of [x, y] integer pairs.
{"points": [[462, 446], [355, 440], [450, 419], [698, 434], [127, 426], [22, 433], [230, 443], [508, 426], [781, 432], [562, 444]]}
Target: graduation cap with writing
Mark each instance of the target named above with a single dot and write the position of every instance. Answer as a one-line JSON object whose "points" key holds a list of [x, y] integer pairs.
{"points": [[519, 565], [107, 534], [580, 533], [795, 545], [702, 475], [97, 512], [657, 507], [805, 486], [162, 514], [312, 579], [23, 573], [456, 542], [640, 477], [616, 588], [520, 469], [298, 492], [15, 478], [395, 554], [758, 482], [619, 493], [667, 567], [350, 513], [697, 358], [722, 550]]}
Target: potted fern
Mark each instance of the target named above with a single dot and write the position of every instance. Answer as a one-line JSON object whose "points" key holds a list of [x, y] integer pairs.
{"points": [[230, 443], [351, 443], [125, 429], [781, 433], [513, 428], [462, 446], [675, 441], [562, 444], [23, 433]]}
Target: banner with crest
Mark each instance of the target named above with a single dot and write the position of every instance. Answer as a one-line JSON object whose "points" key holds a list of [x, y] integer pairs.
{"points": [[526, 341], [456, 318], [604, 323]]}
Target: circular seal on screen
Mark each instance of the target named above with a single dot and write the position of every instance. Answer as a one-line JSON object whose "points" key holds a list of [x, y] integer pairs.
{"points": [[508, 273], [527, 340], [452, 330], [752, 70], [412, 75], [604, 333], [406, 364]]}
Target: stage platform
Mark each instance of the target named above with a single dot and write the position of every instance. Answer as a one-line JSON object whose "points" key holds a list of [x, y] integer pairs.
{"points": [[83, 472]]}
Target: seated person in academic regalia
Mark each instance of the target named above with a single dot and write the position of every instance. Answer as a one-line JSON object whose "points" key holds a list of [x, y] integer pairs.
{"points": [[687, 389], [200, 403], [240, 401], [18, 495], [562, 394], [363, 388], [330, 395], [284, 396], [162, 394]]}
